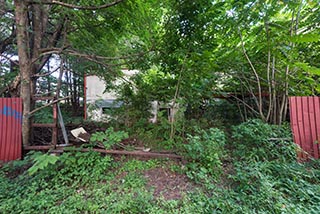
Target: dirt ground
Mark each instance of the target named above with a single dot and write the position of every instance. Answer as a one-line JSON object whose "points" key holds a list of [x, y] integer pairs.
{"points": [[168, 184]]}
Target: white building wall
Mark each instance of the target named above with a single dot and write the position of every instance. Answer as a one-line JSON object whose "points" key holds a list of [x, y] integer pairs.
{"points": [[95, 89], [96, 86]]}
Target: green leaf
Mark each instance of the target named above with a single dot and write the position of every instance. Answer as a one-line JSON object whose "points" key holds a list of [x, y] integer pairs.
{"points": [[41, 162], [304, 38], [308, 68]]}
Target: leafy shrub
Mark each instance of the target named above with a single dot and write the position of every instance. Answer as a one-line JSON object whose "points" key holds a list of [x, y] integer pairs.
{"points": [[86, 168], [277, 187], [205, 150], [109, 137], [255, 140], [41, 161], [71, 167], [44, 115]]}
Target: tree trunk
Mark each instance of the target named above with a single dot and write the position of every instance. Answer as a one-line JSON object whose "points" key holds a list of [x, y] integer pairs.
{"points": [[21, 10]]}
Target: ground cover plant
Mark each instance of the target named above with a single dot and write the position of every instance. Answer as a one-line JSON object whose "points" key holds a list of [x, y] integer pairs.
{"points": [[248, 172]]}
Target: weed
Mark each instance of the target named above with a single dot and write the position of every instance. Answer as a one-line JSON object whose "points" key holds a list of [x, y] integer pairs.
{"points": [[109, 137], [205, 151], [258, 141]]}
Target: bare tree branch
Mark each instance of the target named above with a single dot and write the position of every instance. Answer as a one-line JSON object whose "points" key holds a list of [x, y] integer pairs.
{"points": [[255, 73], [49, 51], [73, 6], [45, 74], [49, 104], [9, 59]]}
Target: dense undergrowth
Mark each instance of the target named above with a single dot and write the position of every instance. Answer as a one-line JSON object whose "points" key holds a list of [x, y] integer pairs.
{"points": [[252, 171]]}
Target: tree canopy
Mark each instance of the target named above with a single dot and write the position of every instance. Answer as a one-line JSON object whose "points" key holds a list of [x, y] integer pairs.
{"points": [[260, 52]]}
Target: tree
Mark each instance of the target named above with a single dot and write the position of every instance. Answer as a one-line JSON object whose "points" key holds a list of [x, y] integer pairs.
{"points": [[259, 51], [42, 32], [187, 49], [264, 45]]}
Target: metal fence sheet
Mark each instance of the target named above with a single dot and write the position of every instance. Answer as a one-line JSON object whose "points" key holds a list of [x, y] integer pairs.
{"points": [[10, 128], [305, 125]]}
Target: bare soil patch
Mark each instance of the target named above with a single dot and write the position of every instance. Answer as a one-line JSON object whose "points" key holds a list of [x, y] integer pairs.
{"points": [[168, 184]]}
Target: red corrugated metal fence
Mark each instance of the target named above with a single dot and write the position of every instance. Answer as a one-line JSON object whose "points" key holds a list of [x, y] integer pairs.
{"points": [[10, 128], [305, 125]]}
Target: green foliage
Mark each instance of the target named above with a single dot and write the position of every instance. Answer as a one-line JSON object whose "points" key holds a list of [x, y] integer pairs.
{"points": [[84, 168], [6, 77], [137, 165], [41, 161], [109, 137], [277, 187], [89, 183], [71, 167], [205, 152], [305, 38], [191, 49], [44, 115], [258, 141]]}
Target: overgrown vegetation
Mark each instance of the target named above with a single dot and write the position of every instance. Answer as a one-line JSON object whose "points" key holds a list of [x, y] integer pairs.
{"points": [[215, 64], [253, 171]]}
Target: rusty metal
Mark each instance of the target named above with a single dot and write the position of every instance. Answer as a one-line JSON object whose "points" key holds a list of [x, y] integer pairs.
{"points": [[44, 125], [305, 125], [38, 147], [135, 153], [61, 149], [10, 128]]}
